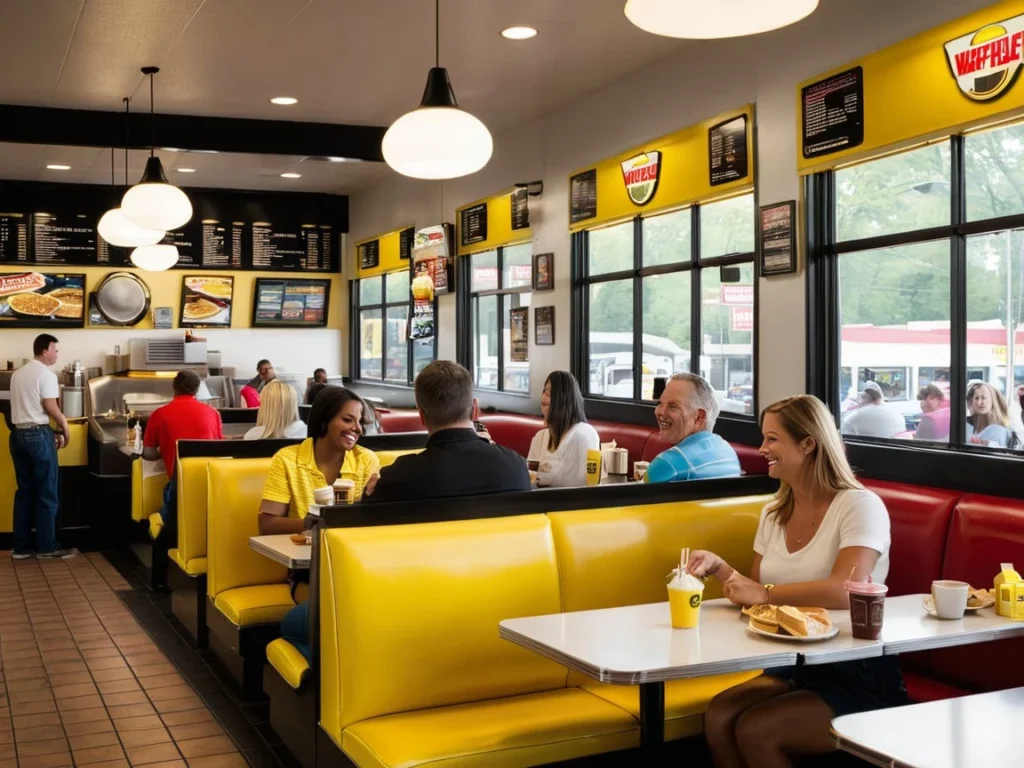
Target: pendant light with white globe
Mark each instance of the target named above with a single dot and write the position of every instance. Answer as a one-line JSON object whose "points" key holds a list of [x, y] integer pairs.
{"points": [[438, 140], [114, 226], [155, 258], [154, 203], [706, 20]]}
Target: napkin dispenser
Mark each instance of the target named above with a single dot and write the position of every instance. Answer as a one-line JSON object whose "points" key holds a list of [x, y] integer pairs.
{"points": [[1009, 592]]}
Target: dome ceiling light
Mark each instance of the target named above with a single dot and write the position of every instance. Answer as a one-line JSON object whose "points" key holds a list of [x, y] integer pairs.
{"points": [[438, 140], [705, 20]]}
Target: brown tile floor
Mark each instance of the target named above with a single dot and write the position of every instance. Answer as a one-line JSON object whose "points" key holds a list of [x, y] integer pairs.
{"points": [[82, 683]]}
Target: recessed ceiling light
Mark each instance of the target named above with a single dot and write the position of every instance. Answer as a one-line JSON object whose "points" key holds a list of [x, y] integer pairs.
{"points": [[291, 175], [185, 170], [519, 33], [58, 167], [284, 101]]}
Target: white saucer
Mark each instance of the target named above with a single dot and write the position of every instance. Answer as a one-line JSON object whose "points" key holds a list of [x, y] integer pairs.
{"points": [[928, 603]]}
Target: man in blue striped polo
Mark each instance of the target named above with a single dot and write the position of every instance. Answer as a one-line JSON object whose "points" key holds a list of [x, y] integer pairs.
{"points": [[686, 415]]}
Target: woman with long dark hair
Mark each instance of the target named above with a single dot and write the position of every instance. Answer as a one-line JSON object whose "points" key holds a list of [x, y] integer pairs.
{"points": [[560, 449]]}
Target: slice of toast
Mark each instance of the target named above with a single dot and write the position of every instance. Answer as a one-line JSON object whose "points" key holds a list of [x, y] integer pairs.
{"points": [[804, 622], [771, 627]]}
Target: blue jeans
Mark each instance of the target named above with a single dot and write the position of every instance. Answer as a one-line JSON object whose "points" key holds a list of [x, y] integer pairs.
{"points": [[295, 629], [34, 453]]}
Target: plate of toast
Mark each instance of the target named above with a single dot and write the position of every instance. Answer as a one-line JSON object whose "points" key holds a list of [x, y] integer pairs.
{"points": [[787, 622], [976, 600]]}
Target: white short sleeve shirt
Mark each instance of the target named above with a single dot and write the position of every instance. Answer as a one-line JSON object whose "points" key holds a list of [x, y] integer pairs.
{"points": [[855, 518], [30, 385]]}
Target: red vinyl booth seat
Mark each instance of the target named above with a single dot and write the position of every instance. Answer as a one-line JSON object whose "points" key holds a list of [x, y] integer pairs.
{"points": [[512, 430], [401, 421]]}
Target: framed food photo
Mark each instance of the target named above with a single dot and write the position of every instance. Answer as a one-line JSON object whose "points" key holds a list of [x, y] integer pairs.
{"points": [[544, 272], [42, 300], [544, 326], [206, 301]]}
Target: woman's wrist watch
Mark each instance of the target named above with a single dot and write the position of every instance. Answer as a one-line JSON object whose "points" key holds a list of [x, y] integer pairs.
{"points": [[768, 593]]}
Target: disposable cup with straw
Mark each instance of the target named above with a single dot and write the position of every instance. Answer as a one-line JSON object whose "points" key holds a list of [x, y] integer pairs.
{"points": [[685, 592], [867, 606]]}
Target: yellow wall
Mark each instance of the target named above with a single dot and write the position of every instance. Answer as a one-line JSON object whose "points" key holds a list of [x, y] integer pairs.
{"points": [[165, 291], [911, 95], [685, 177], [499, 226], [390, 254]]}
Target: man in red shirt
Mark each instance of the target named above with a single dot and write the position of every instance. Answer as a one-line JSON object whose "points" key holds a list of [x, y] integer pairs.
{"points": [[184, 418]]}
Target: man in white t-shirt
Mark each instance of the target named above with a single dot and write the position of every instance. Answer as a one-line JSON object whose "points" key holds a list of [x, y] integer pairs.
{"points": [[873, 418], [34, 444]]}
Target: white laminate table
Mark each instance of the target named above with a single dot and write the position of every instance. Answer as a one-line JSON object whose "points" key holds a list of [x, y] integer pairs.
{"points": [[969, 732], [281, 549], [636, 645]]}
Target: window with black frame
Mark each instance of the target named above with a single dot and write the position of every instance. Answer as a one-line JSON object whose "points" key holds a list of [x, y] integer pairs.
{"points": [[927, 246], [500, 281], [383, 307], [669, 293]]}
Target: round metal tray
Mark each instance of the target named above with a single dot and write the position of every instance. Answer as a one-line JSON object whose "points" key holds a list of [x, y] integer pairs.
{"points": [[122, 298]]}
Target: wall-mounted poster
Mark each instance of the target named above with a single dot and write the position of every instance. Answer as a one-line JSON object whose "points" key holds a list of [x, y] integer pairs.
{"points": [[296, 303], [544, 272], [544, 326], [422, 325], [519, 335], [778, 248], [42, 300], [206, 301], [431, 254]]}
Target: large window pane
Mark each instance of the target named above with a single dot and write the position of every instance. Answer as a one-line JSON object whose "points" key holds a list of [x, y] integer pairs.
{"points": [[397, 287], [396, 346], [484, 273], [900, 193], [995, 338], [517, 266], [994, 166], [727, 337], [517, 375], [611, 339], [894, 315], [727, 227], [611, 249], [370, 344], [370, 291], [485, 341], [422, 355], [668, 238], [666, 324]]}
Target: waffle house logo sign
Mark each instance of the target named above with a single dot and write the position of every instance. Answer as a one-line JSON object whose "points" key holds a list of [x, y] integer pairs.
{"points": [[640, 174], [987, 62]]}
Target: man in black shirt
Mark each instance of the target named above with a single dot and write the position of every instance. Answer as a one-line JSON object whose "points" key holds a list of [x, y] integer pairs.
{"points": [[456, 461]]}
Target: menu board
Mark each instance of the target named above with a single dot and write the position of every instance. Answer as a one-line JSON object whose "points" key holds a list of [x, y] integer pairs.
{"points": [[64, 239], [206, 301], [583, 196], [833, 113], [306, 248], [727, 151], [285, 303], [13, 238], [520, 209], [473, 224], [42, 300], [406, 238], [369, 254]]}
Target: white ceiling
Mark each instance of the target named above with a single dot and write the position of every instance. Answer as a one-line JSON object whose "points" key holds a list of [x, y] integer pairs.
{"points": [[89, 165], [347, 61]]}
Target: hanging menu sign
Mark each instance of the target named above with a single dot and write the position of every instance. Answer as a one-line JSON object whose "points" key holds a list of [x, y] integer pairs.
{"points": [[304, 248], [369, 255], [406, 238], [727, 151], [189, 242], [583, 196], [290, 303], [69, 239], [520, 209], [833, 113], [473, 224], [13, 238], [222, 244]]}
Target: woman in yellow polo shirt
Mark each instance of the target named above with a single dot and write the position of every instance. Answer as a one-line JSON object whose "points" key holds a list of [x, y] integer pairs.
{"points": [[330, 452]]}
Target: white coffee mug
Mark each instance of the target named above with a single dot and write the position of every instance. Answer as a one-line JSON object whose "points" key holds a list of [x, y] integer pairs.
{"points": [[950, 598]]}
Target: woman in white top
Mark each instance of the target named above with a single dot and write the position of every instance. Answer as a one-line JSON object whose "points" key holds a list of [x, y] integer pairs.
{"points": [[821, 529], [278, 416], [560, 449]]}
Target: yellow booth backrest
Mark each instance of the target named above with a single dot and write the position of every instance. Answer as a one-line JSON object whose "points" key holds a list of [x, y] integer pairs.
{"points": [[416, 609], [192, 491], [387, 458], [234, 492], [147, 491], [621, 555]]}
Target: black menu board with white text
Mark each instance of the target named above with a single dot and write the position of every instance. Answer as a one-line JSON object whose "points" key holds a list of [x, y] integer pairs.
{"points": [[583, 196], [13, 238], [833, 113], [473, 224], [727, 151], [303, 248], [60, 239]]}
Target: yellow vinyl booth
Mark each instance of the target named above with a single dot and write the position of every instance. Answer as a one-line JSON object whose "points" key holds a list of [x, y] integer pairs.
{"points": [[412, 671]]}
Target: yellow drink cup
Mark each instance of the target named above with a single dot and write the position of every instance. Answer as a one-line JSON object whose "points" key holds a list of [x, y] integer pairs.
{"points": [[593, 467], [684, 607]]}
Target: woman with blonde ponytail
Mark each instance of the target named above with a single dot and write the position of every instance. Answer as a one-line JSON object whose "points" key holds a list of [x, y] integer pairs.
{"points": [[821, 529]]}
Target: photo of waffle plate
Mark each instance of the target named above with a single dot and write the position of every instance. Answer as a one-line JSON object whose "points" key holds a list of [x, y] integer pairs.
{"points": [[39, 299], [206, 300]]}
